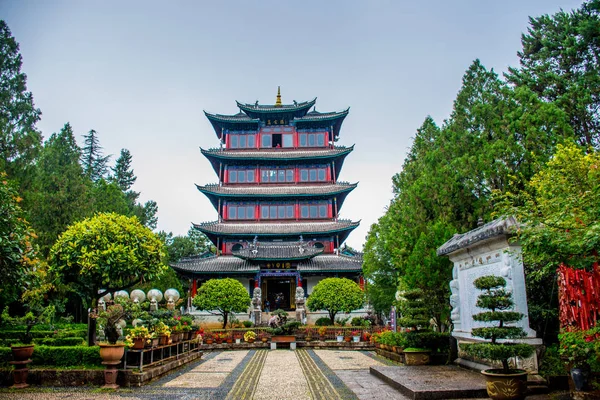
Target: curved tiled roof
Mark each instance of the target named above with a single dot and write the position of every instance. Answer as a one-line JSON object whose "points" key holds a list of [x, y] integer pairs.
{"points": [[275, 228], [331, 263], [254, 190], [501, 226], [269, 108], [319, 116], [235, 265], [277, 153], [214, 264], [277, 251]]}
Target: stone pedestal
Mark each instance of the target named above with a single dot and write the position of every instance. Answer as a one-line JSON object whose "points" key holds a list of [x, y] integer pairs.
{"points": [[20, 374], [110, 374], [487, 251]]}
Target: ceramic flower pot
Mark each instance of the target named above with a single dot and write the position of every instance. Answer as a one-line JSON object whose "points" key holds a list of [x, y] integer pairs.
{"points": [[112, 352], [356, 339], [347, 339], [22, 353], [339, 338], [163, 340], [501, 386], [416, 357], [581, 377]]}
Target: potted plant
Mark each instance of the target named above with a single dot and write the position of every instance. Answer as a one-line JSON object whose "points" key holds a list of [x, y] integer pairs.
{"points": [[249, 336], [238, 338], [347, 337], [502, 383], [322, 333], [228, 338], [580, 348], [307, 334], [355, 336], [366, 336], [415, 319], [208, 338], [136, 339], [163, 332], [339, 335], [263, 337]]}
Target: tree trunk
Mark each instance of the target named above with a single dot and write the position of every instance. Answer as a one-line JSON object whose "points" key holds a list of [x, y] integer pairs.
{"points": [[332, 317], [225, 315]]}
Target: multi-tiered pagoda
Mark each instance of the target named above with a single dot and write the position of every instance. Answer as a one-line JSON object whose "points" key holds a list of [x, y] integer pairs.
{"points": [[278, 201]]}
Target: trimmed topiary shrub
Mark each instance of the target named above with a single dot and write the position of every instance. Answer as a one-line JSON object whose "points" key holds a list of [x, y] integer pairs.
{"points": [[498, 301], [323, 321], [66, 356]]}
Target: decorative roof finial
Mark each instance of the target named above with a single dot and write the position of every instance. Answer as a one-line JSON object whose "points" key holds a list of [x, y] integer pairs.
{"points": [[278, 102]]}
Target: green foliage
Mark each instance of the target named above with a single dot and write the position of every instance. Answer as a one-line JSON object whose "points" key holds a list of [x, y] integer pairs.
{"points": [[94, 163], [20, 141], [247, 324], [559, 62], [17, 252], [413, 310], [581, 348], [434, 341], [66, 341], [551, 364], [489, 282], [66, 356], [323, 321], [336, 295], [501, 352], [222, 297], [109, 252], [123, 173], [495, 297], [107, 197], [61, 190]]}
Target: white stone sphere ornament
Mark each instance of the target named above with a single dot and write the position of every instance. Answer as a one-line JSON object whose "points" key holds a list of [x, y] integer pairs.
{"points": [[155, 297], [122, 293], [138, 296], [172, 295]]}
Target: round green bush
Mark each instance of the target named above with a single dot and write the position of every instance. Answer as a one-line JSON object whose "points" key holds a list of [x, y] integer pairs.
{"points": [[323, 321]]}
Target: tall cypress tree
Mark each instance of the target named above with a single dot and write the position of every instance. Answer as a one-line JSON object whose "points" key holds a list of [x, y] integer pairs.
{"points": [[61, 188], [20, 141]]}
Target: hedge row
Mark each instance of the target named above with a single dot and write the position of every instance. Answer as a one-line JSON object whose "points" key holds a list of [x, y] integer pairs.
{"points": [[47, 327], [66, 356], [18, 334], [68, 341], [436, 341]]}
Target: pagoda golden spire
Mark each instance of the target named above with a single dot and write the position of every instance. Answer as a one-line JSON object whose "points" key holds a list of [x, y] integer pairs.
{"points": [[278, 101]]}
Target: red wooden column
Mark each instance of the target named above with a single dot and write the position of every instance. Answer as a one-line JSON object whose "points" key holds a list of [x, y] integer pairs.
{"points": [[194, 287], [361, 283]]}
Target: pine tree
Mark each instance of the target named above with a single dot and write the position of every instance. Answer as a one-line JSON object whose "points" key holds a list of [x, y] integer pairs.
{"points": [[20, 141], [61, 188], [95, 165], [123, 172]]}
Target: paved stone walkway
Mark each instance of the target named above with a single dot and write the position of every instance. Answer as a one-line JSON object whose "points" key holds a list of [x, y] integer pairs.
{"points": [[251, 374]]}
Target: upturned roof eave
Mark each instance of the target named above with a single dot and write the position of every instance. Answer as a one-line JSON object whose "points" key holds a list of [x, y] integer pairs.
{"points": [[250, 109]]}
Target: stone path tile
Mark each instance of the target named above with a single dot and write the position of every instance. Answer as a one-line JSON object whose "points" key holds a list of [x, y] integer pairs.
{"points": [[225, 361], [368, 387], [246, 384], [320, 387], [340, 360], [282, 378]]}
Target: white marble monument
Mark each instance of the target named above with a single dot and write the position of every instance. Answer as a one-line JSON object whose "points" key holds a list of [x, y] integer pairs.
{"points": [[486, 251]]}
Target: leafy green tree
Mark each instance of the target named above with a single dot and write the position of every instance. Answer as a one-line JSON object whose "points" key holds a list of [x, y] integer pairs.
{"points": [[17, 252], [109, 252], [222, 297], [147, 213], [95, 164], [20, 141], [178, 247], [336, 295], [61, 190], [108, 197], [560, 63], [559, 213]]}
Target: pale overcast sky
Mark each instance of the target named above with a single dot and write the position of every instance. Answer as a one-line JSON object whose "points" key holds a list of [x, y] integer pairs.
{"points": [[141, 72]]}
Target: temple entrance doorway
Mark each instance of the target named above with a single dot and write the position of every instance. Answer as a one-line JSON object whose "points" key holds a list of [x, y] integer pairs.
{"points": [[280, 292]]}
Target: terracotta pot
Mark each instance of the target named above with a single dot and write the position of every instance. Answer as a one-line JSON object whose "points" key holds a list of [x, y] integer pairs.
{"points": [[112, 352], [501, 386], [163, 340], [219, 341], [22, 353], [250, 340], [208, 341], [138, 343], [230, 340], [308, 338], [322, 338], [347, 339], [264, 340]]}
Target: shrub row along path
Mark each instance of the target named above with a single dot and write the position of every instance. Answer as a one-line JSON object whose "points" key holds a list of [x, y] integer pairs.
{"points": [[251, 374]]}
